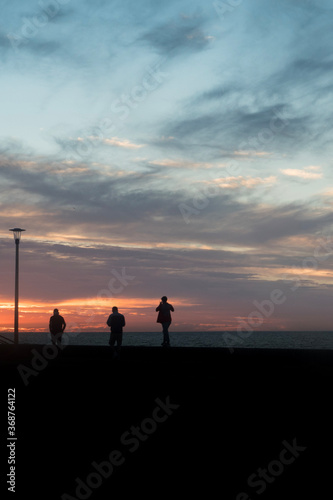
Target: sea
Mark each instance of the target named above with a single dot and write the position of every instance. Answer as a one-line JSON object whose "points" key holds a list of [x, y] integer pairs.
{"points": [[255, 339]]}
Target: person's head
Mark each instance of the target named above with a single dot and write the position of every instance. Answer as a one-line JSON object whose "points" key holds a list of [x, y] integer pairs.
{"points": [[115, 309], [56, 312], [164, 298]]}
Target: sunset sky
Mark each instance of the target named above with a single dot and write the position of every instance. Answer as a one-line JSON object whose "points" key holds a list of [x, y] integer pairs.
{"points": [[179, 148]]}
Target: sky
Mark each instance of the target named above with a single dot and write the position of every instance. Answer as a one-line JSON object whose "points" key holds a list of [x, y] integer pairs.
{"points": [[179, 148]]}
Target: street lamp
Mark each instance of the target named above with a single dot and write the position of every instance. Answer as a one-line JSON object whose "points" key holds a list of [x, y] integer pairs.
{"points": [[17, 236]]}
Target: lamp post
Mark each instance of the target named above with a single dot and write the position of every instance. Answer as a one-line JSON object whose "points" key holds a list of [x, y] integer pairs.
{"points": [[17, 236]]}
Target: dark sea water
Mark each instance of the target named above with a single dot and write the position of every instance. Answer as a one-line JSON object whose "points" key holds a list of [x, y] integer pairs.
{"points": [[273, 340]]}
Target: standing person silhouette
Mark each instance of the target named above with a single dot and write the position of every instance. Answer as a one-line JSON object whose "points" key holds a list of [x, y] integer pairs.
{"points": [[57, 326], [164, 317], [116, 321]]}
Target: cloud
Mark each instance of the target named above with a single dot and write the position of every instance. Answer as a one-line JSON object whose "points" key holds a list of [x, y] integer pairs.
{"points": [[244, 181], [184, 34], [140, 208], [306, 173], [218, 93], [90, 145], [238, 128], [328, 192], [313, 167], [180, 163], [121, 143], [252, 153]]}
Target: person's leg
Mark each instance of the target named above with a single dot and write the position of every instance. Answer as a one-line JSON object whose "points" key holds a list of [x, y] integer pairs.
{"points": [[119, 342], [59, 335], [112, 342], [163, 331], [56, 339], [166, 339]]}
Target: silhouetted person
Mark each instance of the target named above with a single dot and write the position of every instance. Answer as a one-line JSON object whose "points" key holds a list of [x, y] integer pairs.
{"points": [[116, 321], [164, 317], [57, 326]]}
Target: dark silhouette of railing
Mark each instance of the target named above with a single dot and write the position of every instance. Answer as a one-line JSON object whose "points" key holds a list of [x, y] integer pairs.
{"points": [[4, 340]]}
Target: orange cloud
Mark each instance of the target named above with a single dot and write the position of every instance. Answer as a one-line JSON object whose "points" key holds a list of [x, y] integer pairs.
{"points": [[306, 173], [247, 182], [166, 162], [120, 143], [251, 153]]}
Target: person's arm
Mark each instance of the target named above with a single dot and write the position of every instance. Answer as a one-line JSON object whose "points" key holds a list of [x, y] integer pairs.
{"points": [[50, 325], [63, 324], [123, 321], [158, 308], [171, 308]]}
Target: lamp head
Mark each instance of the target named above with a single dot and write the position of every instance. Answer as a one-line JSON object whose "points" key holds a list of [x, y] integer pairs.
{"points": [[17, 233]]}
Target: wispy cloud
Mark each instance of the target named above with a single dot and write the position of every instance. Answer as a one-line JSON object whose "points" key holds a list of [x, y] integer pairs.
{"points": [[180, 163], [247, 182], [179, 35], [252, 153], [306, 173], [115, 141]]}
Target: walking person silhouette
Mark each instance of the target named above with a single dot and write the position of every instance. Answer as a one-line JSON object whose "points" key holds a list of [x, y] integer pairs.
{"points": [[57, 326], [116, 322], [164, 317]]}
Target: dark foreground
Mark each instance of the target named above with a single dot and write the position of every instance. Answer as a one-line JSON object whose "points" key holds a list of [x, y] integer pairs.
{"points": [[169, 423]]}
